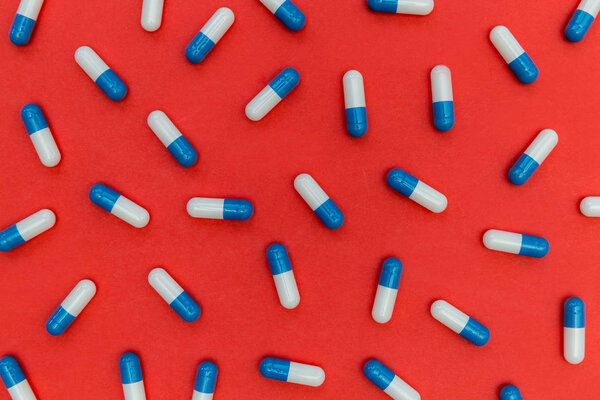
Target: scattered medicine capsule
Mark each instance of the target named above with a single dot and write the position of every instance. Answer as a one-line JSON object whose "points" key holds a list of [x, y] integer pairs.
{"points": [[292, 372], [285, 283], [516, 243], [272, 94], [415, 7], [574, 330], [209, 35], [71, 307], [443, 101], [590, 206], [119, 206], [416, 190], [14, 379], [40, 135], [174, 295], [533, 157], [206, 380], [287, 13], [519, 62], [25, 230], [152, 11], [228, 209], [387, 289], [460, 323], [385, 379], [100, 73], [510, 392], [131, 377], [172, 139], [24, 22], [354, 99], [327, 211], [582, 20]]}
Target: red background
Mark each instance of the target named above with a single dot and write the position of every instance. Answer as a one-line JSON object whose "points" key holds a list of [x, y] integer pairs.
{"points": [[223, 264]]}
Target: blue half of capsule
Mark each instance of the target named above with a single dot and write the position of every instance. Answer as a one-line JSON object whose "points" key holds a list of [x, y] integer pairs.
{"points": [[237, 209], [579, 25], [291, 16], [387, 6], [380, 375], [10, 371], [356, 121], [186, 307], [33, 118], [390, 273], [534, 246], [59, 321], [274, 368], [524, 69], [10, 238], [21, 30], [330, 214], [103, 196], [198, 48], [522, 170], [182, 150], [206, 377], [443, 115], [112, 85], [574, 316], [279, 261], [131, 370], [510, 392], [475, 333], [402, 182], [285, 82]]}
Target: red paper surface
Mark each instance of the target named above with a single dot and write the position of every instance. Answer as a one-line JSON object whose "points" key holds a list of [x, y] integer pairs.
{"points": [[223, 264]]}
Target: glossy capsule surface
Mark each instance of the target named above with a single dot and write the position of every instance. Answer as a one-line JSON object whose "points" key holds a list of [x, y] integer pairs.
{"points": [[582, 20], [278, 89], [286, 12], [131, 377], [14, 379], [26, 229], [415, 7], [168, 134], [356, 107], [119, 206], [24, 22], [228, 209], [104, 77], [386, 380], [40, 135], [174, 295], [460, 323], [574, 330], [533, 157], [510, 392], [516, 243], [442, 98], [71, 307], [387, 290], [292, 372], [152, 11], [209, 35], [517, 59], [590, 206], [316, 198], [416, 190], [206, 381], [285, 282]]}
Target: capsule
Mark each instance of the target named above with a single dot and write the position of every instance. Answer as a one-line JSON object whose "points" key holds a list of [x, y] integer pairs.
{"points": [[131, 377], [272, 94], [415, 7], [40, 135], [172, 139], [582, 20], [354, 99], [460, 323], [416, 190], [443, 101], [206, 380], [152, 11], [209, 35], [285, 283], [286, 12], [318, 201], [70, 308], [25, 230], [100, 73], [119, 206], [229, 209], [519, 62], [387, 289], [14, 379], [174, 295], [574, 330], [385, 379], [24, 22], [533, 157], [590, 206], [510, 392], [516, 243], [292, 372]]}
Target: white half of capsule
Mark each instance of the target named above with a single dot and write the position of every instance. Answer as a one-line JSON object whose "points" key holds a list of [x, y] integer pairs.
{"points": [[354, 89], [262, 103], [449, 315], [542, 145], [21, 391], [305, 374], [415, 7], [508, 242], [202, 396], [218, 24], [272, 5], [90, 62], [441, 84], [134, 391], [310, 191], [383, 306], [204, 207], [79, 297], [287, 289], [130, 212], [429, 198], [574, 345], [164, 129], [400, 390], [590, 206], [164, 285], [45, 147], [591, 7], [152, 11], [505, 43], [30, 8], [35, 224]]}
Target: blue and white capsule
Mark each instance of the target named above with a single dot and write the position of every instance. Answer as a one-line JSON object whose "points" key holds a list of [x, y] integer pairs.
{"points": [[391, 384], [14, 379], [416, 190], [316, 198], [104, 77], [206, 380], [582, 20], [285, 282], [516, 243], [414, 7], [510, 392], [228, 209], [356, 107], [131, 377], [209, 35], [174, 295], [119, 206], [177, 144], [272, 94], [286, 12], [460, 323], [519, 62], [25, 230], [71, 307], [40, 135], [387, 290], [24, 22], [442, 98], [533, 157], [574, 330], [292, 372]]}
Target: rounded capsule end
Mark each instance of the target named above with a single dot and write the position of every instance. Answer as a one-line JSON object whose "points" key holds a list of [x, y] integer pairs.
{"points": [[438, 309], [498, 31], [30, 110], [575, 33], [291, 16], [380, 317], [10, 371], [130, 367], [510, 392], [491, 237], [578, 26], [151, 24], [21, 30], [574, 305]]}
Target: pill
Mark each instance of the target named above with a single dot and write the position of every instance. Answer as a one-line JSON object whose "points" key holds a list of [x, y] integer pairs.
{"points": [[152, 11], [229, 209], [119, 206], [285, 282], [131, 377], [519, 62], [209, 35], [387, 289], [533, 157], [292, 372], [206, 380], [582, 19], [327, 211], [40, 135], [590, 206], [416, 7], [71, 307], [24, 22], [416, 190], [172, 139], [14, 379], [25, 230], [272, 94], [442, 98], [354, 99], [174, 295], [574, 330], [287, 13], [386, 380], [100, 73], [510, 392], [516, 243], [460, 323]]}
